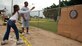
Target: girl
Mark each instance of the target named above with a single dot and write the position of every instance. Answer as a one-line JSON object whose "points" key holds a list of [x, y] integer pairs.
{"points": [[11, 23]]}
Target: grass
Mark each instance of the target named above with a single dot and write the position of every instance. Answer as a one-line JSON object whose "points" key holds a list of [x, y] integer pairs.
{"points": [[46, 24]]}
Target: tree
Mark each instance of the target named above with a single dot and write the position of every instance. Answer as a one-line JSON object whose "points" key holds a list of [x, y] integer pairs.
{"points": [[75, 2], [49, 12], [53, 10]]}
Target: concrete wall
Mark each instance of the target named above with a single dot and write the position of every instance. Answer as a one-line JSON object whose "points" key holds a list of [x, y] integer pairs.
{"points": [[68, 27]]}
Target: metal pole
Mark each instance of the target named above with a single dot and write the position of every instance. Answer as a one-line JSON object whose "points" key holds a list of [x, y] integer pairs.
{"points": [[38, 16], [11, 7], [59, 13]]}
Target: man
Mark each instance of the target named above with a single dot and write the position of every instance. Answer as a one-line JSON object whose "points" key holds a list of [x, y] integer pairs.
{"points": [[26, 17]]}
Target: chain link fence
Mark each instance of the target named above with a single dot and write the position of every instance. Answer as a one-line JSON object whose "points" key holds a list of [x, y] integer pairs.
{"points": [[46, 19]]}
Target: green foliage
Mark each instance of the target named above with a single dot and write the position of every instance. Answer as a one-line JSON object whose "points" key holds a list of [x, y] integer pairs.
{"points": [[52, 11], [75, 2]]}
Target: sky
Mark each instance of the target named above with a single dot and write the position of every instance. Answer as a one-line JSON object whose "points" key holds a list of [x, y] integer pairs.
{"points": [[39, 4]]}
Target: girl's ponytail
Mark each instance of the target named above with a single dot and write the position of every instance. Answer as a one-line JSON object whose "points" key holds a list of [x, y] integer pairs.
{"points": [[15, 9]]}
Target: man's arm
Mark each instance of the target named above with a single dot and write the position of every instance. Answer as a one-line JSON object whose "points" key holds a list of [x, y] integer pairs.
{"points": [[23, 12], [23, 16], [32, 8]]}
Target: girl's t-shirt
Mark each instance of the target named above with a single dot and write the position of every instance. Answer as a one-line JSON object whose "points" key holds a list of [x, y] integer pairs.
{"points": [[14, 17]]}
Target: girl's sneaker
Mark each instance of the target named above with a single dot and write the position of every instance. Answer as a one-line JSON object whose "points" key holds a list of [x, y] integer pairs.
{"points": [[19, 42], [28, 33], [4, 42]]}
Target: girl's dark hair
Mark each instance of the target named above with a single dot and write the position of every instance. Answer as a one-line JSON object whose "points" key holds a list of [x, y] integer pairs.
{"points": [[15, 9]]}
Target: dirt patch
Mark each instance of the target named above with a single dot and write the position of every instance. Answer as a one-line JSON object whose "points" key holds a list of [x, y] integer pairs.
{"points": [[39, 37]]}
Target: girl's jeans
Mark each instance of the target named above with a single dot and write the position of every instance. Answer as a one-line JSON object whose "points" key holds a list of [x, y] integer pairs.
{"points": [[9, 25]]}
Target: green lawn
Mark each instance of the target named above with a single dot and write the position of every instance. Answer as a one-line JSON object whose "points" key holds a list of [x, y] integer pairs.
{"points": [[47, 24]]}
